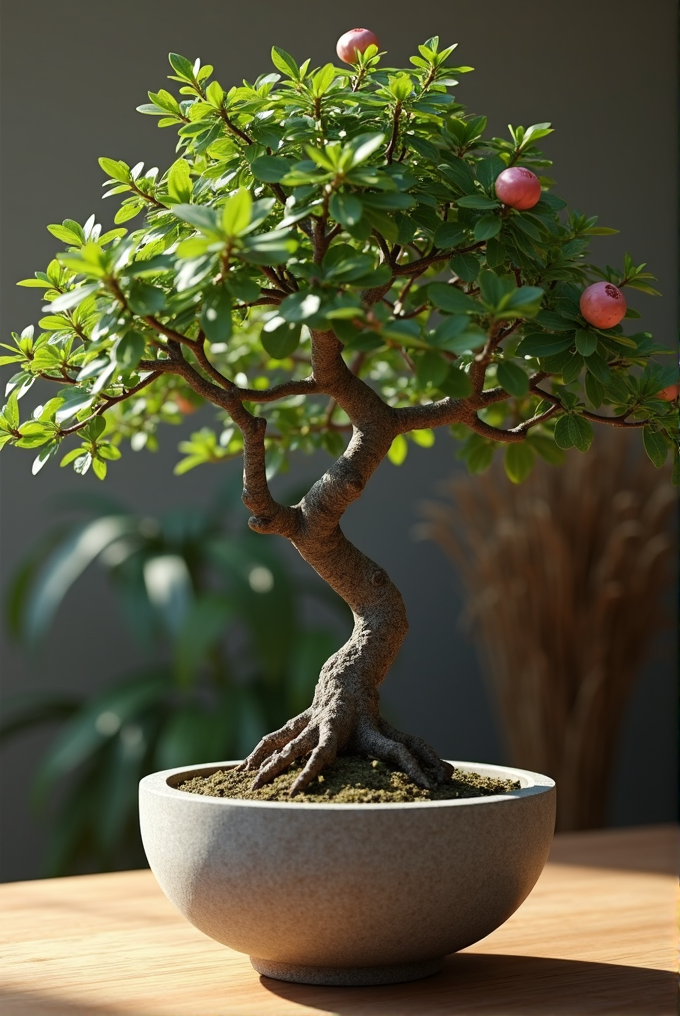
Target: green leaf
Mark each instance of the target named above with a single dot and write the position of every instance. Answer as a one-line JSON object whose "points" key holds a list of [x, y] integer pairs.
{"points": [[447, 329], [215, 94], [300, 307], [216, 319], [477, 201], [199, 216], [469, 340], [495, 253], [116, 170], [599, 368], [583, 432], [494, 289], [272, 248], [452, 299], [346, 209], [513, 379], [363, 146], [424, 438], [479, 457], [127, 211], [66, 235], [145, 299], [285, 63], [242, 288], [236, 212], [36, 283], [181, 66], [398, 450], [55, 323], [655, 445], [449, 234], [106, 450], [488, 169], [526, 300], [72, 299], [465, 266], [456, 384], [594, 390], [130, 349], [526, 226], [280, 338], [518, 462], [546, 448], [431, 368], [572, 369], [385, 225], [563, 433], [543, 344], [487, 227], [11, 411], [555, 322], [573, 431], [179, 182], [586, 341], [99, 468], [75, 399], [460, 174], [271, 168], [322, 80]]}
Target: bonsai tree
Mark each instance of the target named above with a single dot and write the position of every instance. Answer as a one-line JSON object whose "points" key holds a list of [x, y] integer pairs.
{"points": [[337, 259]]}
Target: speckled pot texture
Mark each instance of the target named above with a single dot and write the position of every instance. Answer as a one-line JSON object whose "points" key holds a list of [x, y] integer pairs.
{"points": [[347, 893]]}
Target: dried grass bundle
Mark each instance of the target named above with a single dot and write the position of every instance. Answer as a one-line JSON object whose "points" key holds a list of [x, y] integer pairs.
{"points": [[565, 576]]}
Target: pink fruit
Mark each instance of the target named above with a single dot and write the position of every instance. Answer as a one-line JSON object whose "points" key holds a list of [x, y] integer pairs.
{"points": [[669, 394], [603, 305], [519, 188], [356, 41]]}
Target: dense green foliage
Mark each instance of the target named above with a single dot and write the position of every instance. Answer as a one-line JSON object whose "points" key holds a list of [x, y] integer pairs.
{"points": [[360, 200], [227, 655]]}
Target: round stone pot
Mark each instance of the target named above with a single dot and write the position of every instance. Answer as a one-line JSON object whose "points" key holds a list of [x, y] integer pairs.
{"points": [[347, 893]]}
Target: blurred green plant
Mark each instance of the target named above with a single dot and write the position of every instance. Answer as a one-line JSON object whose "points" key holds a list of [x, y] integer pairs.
{"points": [[228, 655]]}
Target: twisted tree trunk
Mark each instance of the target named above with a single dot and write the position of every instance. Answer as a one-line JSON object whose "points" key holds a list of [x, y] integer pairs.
{"points": [[345, 709]]}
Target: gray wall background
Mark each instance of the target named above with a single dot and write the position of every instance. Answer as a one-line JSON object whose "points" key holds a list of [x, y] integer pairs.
{"points": [[602, 72]]}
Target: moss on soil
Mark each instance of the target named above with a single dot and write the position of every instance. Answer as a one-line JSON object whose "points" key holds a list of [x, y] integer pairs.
{"points": [[350, 779]]}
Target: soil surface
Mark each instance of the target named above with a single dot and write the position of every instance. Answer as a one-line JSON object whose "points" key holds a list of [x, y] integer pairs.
{"points": [[349, 779]]}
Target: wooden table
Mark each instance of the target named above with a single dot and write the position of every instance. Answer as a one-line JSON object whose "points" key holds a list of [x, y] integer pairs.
{"points": [[595, 936]]}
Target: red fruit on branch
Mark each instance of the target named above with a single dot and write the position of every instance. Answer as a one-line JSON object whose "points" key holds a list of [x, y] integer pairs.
{"points": [[603, 305], [356, 41], [518, 188], [669, 394]]}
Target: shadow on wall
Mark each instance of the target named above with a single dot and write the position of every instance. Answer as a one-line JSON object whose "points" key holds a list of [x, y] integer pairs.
{"points": [[566, 579]]}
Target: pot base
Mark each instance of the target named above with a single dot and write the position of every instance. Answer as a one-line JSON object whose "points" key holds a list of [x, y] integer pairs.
{"points": [[347, 976]]}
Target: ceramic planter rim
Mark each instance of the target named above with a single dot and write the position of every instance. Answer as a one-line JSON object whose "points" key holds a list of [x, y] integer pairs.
{"points": [[531, 784]]}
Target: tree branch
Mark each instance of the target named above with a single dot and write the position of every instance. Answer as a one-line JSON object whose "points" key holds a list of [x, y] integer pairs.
{"points": [[363, 405], [524, 427], [434, 414], [419, 266], [305, 386], [231, 126], [168, 332], [268, 515], [611, 421], [111, 400]]}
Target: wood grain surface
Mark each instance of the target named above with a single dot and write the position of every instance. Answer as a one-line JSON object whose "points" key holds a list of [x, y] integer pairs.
{"points": [[597, 935]]}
